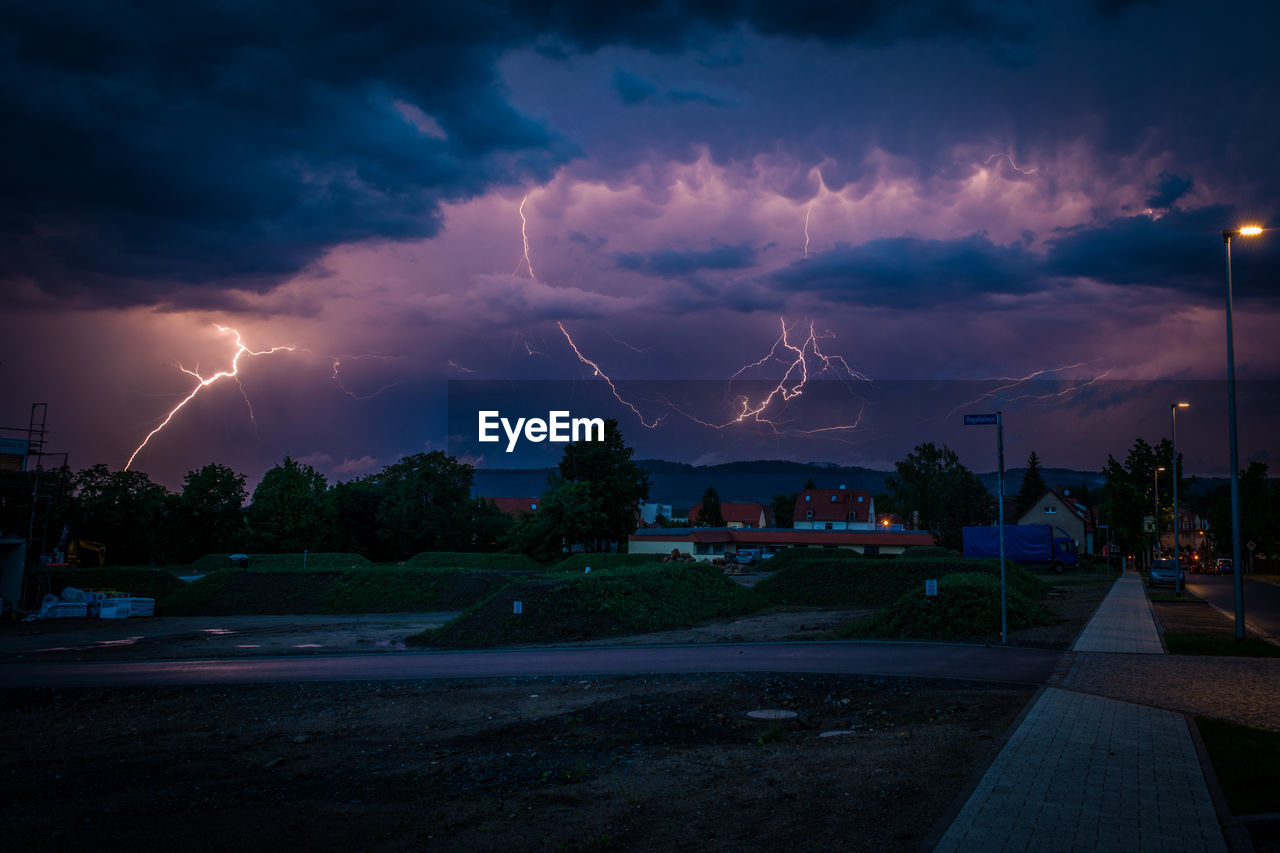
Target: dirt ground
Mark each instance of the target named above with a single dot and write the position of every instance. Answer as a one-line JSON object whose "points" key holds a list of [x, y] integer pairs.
{"points": [[631, 763], [604, 763]]}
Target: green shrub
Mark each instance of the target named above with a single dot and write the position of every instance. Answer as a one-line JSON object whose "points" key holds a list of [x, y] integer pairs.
{"points": [[861, 582], [315, 562], [967, 607], [611, 602], [192, 599], [473, 560]]}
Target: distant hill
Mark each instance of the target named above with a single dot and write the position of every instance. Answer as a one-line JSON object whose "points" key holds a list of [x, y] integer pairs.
{"points": [[682, 485]]}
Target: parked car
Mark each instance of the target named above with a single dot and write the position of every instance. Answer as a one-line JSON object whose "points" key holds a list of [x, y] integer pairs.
{"points": [[1162, 572], [1223, 566]]}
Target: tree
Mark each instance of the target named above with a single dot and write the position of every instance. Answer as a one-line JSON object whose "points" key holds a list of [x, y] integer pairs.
{"points": [[124, 510], [784, 508], [1032, 489], [286, 513], [568, 514], [426, 505], [947, 495], [710, 513], [616, 485], [210, 517], [350, 510]]}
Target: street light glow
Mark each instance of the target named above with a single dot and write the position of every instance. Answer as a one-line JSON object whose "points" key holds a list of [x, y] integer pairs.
{"points": [[1251, 230], [1183, 405]]}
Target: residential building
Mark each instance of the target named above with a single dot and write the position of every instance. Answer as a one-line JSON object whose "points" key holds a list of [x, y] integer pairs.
{"points": [[515, 507], [649, 512], [834, 509], [708, 543], [1060, 509], [736, 514]]}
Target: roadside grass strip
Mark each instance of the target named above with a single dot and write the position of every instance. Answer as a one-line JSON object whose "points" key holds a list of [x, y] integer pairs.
{"points": [[1247, 763], [1180, 643]]}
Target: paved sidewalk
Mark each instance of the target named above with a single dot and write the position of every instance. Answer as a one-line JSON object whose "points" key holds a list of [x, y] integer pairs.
{"points": [[1123, 622], [1083, 772]]}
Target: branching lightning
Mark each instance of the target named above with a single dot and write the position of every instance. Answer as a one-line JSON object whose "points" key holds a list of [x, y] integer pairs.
{"points": [[792, 384], [203, 382], [1009, 157], [1012, 383]]}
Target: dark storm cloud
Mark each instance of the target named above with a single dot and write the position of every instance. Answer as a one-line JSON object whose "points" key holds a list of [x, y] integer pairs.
{"points": [[154, 146], [672, 263], [1169, 189], [632, 88], [161, 144], [910, 272], [1180, 250]]}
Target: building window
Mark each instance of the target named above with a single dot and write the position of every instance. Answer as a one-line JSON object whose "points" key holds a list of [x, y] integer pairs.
{"points": [[833, 498], [808, 513], [828, 525], [807, 497], [533, 506], [859, 498]]}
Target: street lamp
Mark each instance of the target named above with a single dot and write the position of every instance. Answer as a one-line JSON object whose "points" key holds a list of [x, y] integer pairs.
{"points": [[1177, 566], [1155, 482], [1246, 231]]}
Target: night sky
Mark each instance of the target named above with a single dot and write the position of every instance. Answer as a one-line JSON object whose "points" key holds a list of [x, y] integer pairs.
{"points": [[942, 194]]}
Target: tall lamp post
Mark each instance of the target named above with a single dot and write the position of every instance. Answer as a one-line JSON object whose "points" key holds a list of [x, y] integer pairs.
{"points": [[1173, 466], [1236, 567], [1155, 483]]}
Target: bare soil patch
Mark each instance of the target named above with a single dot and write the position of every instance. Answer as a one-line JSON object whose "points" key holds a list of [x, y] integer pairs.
{"points": [[1192, 616], [631, 763]]}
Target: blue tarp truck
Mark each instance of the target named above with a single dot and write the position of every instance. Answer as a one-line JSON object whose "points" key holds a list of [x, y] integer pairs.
{"points": [[1029, 545]]}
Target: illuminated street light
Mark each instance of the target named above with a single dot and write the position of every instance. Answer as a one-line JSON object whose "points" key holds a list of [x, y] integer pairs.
{"points": [[1236, 567], [1177, 564]]}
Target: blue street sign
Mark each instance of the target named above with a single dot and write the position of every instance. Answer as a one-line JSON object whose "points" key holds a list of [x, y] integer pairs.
{"points": [[981, 420]]}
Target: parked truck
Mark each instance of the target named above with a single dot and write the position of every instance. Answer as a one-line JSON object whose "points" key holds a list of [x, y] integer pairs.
{"points": [[1029, 545]]}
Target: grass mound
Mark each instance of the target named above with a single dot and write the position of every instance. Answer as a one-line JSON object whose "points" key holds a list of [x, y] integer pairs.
{"points": [[315, 562], [401, 590], [145, 583], [860, 582], [967, 607], [611, 602], [372, 590], [797, 557], [473, 560], [599, 562]]}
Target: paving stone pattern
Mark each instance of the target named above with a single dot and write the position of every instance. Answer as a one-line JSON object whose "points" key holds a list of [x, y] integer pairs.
{"points": [[1123, 622], [1085, 772]]}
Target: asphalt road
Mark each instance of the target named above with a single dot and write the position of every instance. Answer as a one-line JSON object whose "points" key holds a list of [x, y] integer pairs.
{"points": [[933, 660], [1261, 600]]}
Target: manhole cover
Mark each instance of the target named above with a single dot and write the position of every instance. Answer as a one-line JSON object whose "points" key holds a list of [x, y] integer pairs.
{"points": [[772, 714]]}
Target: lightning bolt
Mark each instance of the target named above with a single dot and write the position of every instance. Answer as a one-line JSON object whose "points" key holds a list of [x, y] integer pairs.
{"points": [[203, 382], [524, 234], [792, 384], [596, 371], [1009, 157], [1012, 383], [807, 210], [337, 365]]}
